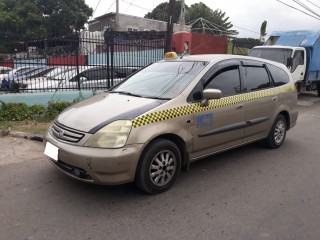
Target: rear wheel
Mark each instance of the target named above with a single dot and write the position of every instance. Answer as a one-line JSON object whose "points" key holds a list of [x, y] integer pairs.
{"points": [[158, 167], [277, 133], [318, 88]]}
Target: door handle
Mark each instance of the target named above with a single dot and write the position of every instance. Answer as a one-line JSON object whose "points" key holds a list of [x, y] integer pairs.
{"points": [[275, 99], [239, 106]]}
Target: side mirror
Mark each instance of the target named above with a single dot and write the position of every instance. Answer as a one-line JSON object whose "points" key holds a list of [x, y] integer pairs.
{"points": [[289, 62], [209, 94]]}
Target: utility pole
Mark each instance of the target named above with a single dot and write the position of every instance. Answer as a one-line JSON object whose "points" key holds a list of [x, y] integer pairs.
{"points": [[116, 24], [182, 19], [168, 46]]}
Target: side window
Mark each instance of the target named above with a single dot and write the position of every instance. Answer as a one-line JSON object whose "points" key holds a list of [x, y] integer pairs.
{"points": [[279, 76], [227, 80], [256, 78], [298, 59]]}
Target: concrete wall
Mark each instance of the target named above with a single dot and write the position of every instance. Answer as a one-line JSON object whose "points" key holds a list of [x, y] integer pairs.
{"points": [[44, 97], [137, 58]]}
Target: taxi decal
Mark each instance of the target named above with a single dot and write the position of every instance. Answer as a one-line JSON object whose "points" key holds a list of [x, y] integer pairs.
{"points": [[205, 120], [196, 107]]}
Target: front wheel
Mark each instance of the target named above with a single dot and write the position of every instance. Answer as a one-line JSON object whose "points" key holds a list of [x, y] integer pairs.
{"points": [[158, 167], [277, 133]]}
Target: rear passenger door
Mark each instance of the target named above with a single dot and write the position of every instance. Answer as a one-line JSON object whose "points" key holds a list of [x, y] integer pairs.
{"points": [[262, 101]]}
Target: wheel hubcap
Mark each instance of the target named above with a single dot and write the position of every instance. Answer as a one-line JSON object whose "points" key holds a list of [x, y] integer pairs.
{"points": [[279, 132], [162, 168]]}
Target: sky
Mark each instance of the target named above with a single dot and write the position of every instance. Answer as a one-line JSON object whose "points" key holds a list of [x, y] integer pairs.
{"points": [[246, 15]]}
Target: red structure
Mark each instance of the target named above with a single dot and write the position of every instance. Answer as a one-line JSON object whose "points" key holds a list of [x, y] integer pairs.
{"points": [[68, 60], [7, 64], [181, 42], [198, 43]]}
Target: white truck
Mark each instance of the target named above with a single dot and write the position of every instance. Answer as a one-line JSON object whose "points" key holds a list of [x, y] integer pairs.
{"points": [[299, 51]]}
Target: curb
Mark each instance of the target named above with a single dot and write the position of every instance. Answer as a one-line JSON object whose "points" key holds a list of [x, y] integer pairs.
{"points": [[26, 135]]}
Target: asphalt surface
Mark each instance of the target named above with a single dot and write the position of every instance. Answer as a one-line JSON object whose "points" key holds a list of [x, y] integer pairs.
{"points": [[247, 193]]}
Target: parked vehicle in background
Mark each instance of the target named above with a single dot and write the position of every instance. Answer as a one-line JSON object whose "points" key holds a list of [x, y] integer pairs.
{"points": [[299, 51], [15, 72], [4, 70], [169, 114], [84, 77]]}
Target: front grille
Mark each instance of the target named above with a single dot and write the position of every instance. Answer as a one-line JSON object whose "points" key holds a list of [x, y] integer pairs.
{"points": [[66, 134]]}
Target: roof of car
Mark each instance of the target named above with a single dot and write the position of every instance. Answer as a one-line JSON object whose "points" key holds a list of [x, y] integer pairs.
{"points": [[214, 57]]}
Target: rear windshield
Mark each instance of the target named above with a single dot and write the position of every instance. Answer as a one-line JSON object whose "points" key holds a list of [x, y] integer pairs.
{"points": [[162, 79]]}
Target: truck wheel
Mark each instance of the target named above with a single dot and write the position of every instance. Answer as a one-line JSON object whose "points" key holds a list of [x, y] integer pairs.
{"points": [[158, 167], [277, 133]]}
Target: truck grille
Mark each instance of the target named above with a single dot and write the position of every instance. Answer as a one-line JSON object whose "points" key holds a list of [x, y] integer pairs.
{"points": [[66, 134]]}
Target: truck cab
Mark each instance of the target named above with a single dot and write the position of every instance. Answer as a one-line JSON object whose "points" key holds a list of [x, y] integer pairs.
{"points": [[293, 57], [299, 51]]}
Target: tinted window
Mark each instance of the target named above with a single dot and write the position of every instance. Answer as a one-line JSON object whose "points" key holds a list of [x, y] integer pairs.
{"points": [[256, 78], [227, 80], [298, 59], [279, 76]]}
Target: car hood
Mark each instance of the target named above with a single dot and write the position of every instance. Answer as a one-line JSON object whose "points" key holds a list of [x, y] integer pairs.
{"points": [[96, 112]]}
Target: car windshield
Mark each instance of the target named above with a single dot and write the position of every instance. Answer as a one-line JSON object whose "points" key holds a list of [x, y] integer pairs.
{"points": [[161, 80], [279, 55]]}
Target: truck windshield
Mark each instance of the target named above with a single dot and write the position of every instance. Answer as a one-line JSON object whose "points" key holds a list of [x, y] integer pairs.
{"points": [[279, 55]]}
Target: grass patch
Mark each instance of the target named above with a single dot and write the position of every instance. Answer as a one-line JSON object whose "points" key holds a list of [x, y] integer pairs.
{"points": [[36, 127]]}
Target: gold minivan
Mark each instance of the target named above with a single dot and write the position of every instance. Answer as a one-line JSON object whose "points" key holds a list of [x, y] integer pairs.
{"points": [[172, 113]]}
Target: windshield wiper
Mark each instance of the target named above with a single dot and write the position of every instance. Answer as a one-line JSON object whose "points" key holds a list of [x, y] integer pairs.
{"points": [[160, 98], [126, 93]]}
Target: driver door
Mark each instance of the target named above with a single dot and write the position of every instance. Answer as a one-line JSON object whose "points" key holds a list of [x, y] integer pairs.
{"points": [[221, 124]]}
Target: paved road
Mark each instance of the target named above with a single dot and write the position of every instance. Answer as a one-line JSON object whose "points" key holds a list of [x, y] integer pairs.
{"points": [[248, 193]]}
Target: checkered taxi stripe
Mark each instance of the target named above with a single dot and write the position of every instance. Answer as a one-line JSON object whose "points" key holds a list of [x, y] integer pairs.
{"points": [[196, 107]]}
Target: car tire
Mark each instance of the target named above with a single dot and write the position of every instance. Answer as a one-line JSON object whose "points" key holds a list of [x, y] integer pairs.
{"points": [[159, 167], [277, 133]]}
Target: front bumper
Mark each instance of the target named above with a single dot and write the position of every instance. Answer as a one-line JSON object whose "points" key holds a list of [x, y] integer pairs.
{"points": [[96, 165]]}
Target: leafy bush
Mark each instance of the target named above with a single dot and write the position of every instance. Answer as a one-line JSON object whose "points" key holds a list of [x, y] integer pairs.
{"points": [[14, 112], [21, 111], [54, 108]]}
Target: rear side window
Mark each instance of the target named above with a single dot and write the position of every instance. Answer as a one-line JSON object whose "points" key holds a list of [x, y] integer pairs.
{"points": [[279, 76], [256, 78], [298, 59]]}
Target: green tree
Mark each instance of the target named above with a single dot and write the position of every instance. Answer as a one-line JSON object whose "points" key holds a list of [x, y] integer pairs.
{"points": [[160, 12], [214, 21], [263, 29], [40, 18]]}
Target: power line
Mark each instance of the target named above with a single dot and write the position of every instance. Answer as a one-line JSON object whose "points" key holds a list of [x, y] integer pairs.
{"points": [[246, 29], [96, 8], [298, 9], [306, 7], [313, 4], [134, 5], [129, 6]]}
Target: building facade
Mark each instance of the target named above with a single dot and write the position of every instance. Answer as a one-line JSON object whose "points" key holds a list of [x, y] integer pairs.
{"points": [[129, 23]]}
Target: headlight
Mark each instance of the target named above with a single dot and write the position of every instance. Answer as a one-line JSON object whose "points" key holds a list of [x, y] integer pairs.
{"points": [[114, 135]]}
